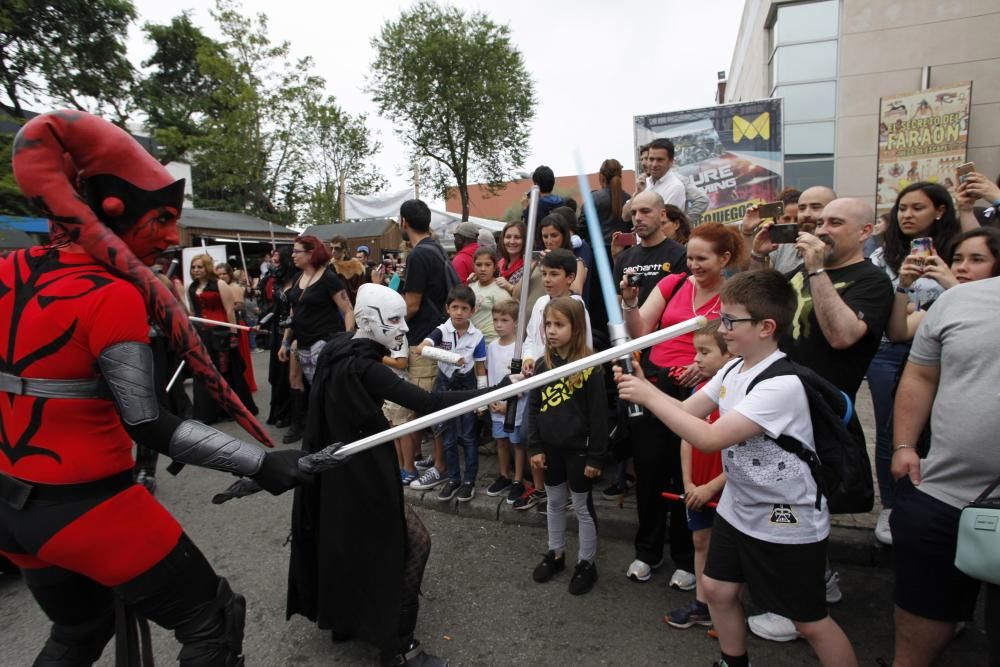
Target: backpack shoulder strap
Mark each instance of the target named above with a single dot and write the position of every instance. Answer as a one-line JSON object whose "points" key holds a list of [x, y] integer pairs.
{"points": [[780, 367]]}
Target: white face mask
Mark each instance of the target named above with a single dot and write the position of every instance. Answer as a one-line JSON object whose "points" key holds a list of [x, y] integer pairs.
{"points": [[381, 316]]}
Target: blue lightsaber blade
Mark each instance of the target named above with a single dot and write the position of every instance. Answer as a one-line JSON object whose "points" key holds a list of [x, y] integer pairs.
{"points": [[616, 321]]}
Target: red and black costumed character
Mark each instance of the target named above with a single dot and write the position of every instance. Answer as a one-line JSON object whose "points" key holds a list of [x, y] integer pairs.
{"points": [[76, 388]]}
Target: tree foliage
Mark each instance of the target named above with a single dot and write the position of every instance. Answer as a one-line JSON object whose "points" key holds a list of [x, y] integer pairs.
{"points": [[71, 52], [336, 144], [177, 93], [459, 92]]}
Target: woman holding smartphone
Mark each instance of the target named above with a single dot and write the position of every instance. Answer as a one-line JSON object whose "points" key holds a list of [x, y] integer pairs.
{"points": [[923, 218]]}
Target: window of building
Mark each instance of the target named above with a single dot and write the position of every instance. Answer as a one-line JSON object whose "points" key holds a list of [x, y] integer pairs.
{"points": [[809, 138], [807, 22], [805, 62], [802, 174], [803, 72], [808, 101]]}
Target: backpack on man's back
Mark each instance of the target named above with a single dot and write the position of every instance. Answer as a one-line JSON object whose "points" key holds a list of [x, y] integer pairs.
{"points": [[840, 465]]}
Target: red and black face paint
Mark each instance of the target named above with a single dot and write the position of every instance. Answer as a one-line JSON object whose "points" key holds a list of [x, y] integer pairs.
{"points": [[125, 188]]}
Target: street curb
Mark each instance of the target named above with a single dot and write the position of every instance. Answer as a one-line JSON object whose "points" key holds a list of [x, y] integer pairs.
{"points": [[853, 546]]}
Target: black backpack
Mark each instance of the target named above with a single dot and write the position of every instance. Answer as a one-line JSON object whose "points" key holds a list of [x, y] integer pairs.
{"points": [[840, 465]]}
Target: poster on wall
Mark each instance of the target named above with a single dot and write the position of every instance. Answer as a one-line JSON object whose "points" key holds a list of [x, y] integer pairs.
{"points": [[733, 152], [922, 136]]}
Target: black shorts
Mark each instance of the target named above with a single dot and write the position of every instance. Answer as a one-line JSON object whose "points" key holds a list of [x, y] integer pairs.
{"points": [[924, 539], [567, 465], [787, 579]]}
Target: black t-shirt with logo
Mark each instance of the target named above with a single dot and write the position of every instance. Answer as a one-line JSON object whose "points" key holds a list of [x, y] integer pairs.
{"points": [[425, 274], [652, 263], [866, 289]]}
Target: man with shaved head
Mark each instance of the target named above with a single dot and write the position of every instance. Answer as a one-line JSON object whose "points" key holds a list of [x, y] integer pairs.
{"points": [[655, 449], [844, 303], [785, 257], [844, 300]]}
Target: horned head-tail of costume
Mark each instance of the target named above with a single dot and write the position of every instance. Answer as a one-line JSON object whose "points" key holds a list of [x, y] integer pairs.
{"points": [[92, 180]]}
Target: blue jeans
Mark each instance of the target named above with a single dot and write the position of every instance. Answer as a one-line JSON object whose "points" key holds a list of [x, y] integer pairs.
{"points": [[883, 375], [457, 429]]}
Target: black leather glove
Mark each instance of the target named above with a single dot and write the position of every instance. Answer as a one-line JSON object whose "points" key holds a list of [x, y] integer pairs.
{"points": [[280, 471]]}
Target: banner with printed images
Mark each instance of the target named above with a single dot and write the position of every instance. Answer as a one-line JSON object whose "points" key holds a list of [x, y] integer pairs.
{"points": [[922, 136], [733, 152]]}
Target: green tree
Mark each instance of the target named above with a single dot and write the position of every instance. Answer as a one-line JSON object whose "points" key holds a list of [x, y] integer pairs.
{"points": [[248, 155], [458, 90], [336, 144], [71, 51], [12, 202], [177, 92]]}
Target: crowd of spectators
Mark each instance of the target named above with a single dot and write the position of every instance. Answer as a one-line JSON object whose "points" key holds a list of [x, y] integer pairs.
{"points": [[865, 303]]}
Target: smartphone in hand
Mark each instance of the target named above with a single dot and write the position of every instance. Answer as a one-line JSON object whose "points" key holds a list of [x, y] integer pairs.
{"points": [[783, 233]]}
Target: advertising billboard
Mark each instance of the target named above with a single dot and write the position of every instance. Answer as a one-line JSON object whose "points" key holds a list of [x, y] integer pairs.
{"points": [[733, 152], [922, 136]]}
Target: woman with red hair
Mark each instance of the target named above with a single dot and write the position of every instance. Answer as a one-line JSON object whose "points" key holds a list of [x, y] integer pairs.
{"points": [[320, 309], [671, 367]]}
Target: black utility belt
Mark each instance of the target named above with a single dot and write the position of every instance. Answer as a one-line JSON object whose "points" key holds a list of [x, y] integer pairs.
{"points": [[49, 388], [16, 492]]}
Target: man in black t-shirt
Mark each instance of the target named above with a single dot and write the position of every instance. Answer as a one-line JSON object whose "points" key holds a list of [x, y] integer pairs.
{"points": [[844, 301], [656, 451], [425, 288], [656, 256]]}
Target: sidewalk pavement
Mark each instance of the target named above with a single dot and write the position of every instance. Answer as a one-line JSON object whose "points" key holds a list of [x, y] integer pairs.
{"points": [[852, 539]]}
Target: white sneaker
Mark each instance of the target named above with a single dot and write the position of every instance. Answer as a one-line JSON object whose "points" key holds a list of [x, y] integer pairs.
{"points": [[882, 531], [428, 480], [833, 594], [641, 571], [773, 627], [683, 580]]}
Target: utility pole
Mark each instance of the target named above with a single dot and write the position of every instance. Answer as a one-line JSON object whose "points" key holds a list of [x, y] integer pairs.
{"points": [[343, 198]]}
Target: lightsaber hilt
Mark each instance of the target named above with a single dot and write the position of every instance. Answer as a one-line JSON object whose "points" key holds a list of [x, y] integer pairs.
{"points": [[510, 419], [679, 498]]}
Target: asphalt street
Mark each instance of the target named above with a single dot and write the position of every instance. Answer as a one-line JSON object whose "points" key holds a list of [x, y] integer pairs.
{"points": [[480, 605]]}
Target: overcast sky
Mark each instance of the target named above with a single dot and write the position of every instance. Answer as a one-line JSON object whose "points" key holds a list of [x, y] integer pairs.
{"points": [[595, 64]]}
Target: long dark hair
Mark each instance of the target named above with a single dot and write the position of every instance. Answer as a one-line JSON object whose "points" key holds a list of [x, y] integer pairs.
{"points": [[992, 236], [941, 231], [677, 216], [557, 221], [611, 171]]}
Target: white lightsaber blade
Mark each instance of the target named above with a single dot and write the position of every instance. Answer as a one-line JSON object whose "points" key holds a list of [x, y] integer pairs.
{"points": [[504, 393], [216, 323], [177, 373]]}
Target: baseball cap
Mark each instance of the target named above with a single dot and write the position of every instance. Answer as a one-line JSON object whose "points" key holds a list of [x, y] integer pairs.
{"points": [[365, 249], [467, 230]]}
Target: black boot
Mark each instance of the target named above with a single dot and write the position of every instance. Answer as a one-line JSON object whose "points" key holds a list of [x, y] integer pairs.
{"points": [[414, 656], [298, 427]]}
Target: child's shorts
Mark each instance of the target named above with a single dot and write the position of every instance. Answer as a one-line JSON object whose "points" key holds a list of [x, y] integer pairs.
{"points": [[396, 414], [786, 579], [498, 432], [700, 519]]}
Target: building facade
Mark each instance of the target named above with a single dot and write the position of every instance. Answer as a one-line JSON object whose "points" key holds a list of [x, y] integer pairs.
{"points": [[832, 60]]}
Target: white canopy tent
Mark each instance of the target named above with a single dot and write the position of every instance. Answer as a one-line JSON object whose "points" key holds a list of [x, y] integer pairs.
{"points": [[443, 224]]}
